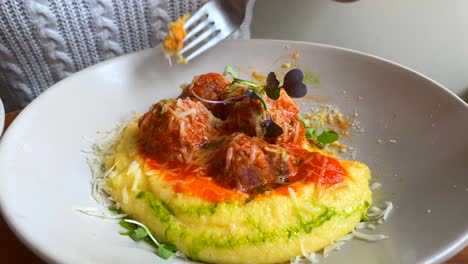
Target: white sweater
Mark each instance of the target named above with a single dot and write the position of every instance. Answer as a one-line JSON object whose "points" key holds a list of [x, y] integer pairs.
{"points": [[44, 41]]}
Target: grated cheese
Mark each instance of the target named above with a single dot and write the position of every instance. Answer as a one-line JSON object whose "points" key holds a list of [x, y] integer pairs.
{"points": [[334, 246], [368, 237], [96, 157], [229, 154], [375, 186], [387, 210], [133, 167], [253, 154], [190, 112], [136, 180], [293, 195], [124, 195], [96, 213]]}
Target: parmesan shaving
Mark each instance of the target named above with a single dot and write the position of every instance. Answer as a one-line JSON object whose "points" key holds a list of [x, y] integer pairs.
{"points": [[96, 213], [253, 154], [124, 195], [375, 186], [346, 238], [133, 167], [387, 210], [151, 173], [369, 237], [293, 195], [190, 112], [307, 257], [334, 246], [229, 154], [96, 157], [136, 180]]}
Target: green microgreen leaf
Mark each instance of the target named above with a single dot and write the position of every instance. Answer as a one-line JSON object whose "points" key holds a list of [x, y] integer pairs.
{"points": [[233, 88], [365, 218], [325, 138], [305, 122], [231, 71], [127, 225], [272, 88], [328, 137], [164, 251], [127, 233], [137, 231], [138, 234], [113, 208], [248, 83], [311, 133]]}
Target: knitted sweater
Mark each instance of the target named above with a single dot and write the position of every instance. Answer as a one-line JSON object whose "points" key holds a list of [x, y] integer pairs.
{"points": [[44, 41]]}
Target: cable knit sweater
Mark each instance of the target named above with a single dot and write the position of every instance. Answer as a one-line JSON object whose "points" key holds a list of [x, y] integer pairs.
{"points": [[44, 41]]}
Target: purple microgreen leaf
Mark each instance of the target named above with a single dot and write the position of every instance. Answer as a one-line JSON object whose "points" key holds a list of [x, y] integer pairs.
{"points": [[272, 129], [272, 88], [293, 84]]}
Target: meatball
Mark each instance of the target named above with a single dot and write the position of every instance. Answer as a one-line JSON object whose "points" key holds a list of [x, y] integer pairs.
{"points": [[173, 129], [250, 164], [247, 116], [285, 106], [210, 86]]}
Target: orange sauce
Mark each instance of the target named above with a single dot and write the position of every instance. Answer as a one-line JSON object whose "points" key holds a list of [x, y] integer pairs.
{"points": [[194, 183], [197, 182]]}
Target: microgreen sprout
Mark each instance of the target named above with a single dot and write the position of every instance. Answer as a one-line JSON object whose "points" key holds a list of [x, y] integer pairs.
{"points": [[292, 84], [320, 140], [138, 231]]}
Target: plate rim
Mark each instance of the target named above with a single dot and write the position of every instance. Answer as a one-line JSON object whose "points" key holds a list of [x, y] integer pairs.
{"points": [[445, 252], [2, 117]]}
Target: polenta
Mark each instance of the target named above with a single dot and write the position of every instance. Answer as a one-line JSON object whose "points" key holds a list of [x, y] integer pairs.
{"points": [[211, 180]]}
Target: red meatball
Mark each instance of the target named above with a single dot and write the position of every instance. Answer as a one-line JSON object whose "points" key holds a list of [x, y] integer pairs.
{"points": [[250, 164], [285, 106], [210, 86], [247, 116], [173, 129]]}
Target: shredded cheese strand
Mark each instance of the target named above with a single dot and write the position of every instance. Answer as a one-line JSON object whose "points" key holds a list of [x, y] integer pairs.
{"points": [[96, 213]]}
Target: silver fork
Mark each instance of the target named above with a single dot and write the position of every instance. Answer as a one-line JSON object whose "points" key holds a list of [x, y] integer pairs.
{"points": [[212, 23]]}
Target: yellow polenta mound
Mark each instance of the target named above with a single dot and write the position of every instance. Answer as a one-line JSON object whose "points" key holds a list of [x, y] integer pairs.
{"points": [[268, 229]]}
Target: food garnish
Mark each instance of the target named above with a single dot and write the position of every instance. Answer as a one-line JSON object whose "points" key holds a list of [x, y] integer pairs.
{"points": [[138, 231], [320, 140], [174, 41], [292, 84]]}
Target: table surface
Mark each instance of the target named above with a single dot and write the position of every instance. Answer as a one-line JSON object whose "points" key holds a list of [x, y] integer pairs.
{"points": [[15, 252]]}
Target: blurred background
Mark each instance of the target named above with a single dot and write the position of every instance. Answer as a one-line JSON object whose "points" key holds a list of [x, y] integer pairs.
{"points": [[429, 36]]}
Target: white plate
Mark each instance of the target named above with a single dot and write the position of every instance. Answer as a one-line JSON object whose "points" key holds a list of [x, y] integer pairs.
{"points": [[43, 174], [2, 117]]}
